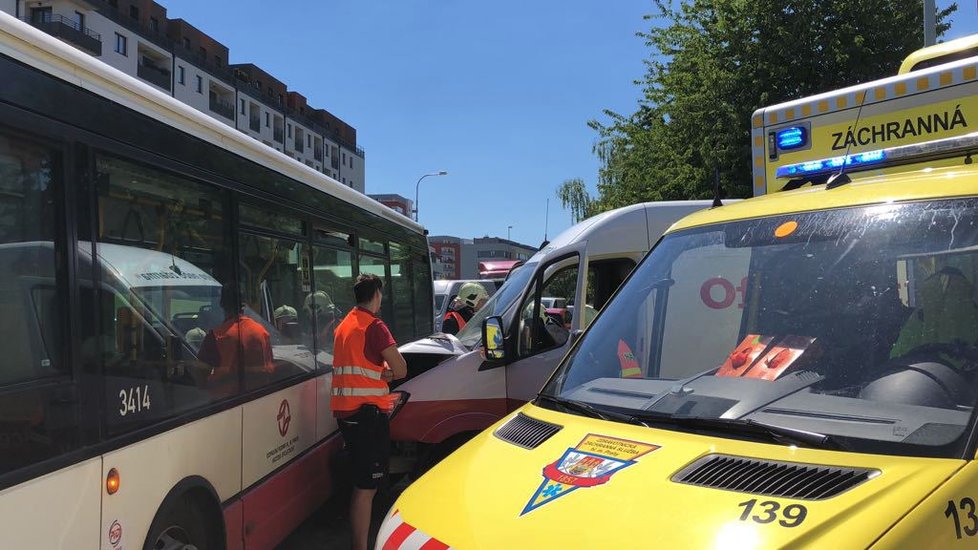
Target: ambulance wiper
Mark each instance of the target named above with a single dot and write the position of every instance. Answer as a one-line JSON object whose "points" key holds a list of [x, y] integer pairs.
{"points": [[570, 405], [775, 433]]}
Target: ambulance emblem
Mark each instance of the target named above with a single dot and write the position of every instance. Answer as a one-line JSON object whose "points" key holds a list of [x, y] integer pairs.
{"points": [[592, 462]]}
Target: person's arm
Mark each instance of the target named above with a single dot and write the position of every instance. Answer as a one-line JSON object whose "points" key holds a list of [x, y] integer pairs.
{"points": [[395, 361]]}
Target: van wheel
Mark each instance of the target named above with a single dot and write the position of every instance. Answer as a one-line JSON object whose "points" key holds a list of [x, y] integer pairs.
{"points": [[438, 452], [182, 527]]}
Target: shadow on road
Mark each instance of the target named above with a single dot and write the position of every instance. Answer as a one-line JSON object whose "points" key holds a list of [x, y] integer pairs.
{"points": [[329, 527]]}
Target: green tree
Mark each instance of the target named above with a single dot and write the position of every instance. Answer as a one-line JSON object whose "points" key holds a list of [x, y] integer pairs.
{"points": [[714, 62], [573, 195]]}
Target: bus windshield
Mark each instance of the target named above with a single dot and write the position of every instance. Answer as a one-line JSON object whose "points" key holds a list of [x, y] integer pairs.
{"points": [[857, 325], [498, 304]]}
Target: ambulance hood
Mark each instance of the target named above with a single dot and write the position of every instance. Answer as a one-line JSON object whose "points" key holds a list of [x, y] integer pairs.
{"points": [[602, 484]]}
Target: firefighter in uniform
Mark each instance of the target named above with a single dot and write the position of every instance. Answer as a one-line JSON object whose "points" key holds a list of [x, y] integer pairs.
{"points": [[471, 298], [365, 358]]}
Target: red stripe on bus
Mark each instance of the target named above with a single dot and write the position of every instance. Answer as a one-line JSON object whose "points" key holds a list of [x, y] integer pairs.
{"points": [[233, 525], [398, 537], [281, 503], [434, 544]]}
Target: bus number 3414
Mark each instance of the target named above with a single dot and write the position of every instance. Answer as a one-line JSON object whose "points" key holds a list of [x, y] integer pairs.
{"points": [[133, 400]]}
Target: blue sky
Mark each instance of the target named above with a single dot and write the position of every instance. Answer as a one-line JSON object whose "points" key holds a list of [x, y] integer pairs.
{"points": [[496, 93]]}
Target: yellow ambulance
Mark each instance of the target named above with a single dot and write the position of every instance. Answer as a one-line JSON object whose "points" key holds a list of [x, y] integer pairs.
{"points": [[796, 370]]}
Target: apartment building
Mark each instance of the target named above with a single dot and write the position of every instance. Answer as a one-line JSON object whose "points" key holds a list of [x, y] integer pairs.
{"points": [[137, 37], [395, 202], [460, 257]]}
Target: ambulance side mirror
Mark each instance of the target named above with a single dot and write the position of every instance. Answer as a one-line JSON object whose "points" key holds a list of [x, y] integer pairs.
{"points": [[493, 343]]}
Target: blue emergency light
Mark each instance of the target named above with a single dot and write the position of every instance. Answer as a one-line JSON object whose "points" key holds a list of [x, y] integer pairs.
{"points": [[792, 137], [830, 164]]}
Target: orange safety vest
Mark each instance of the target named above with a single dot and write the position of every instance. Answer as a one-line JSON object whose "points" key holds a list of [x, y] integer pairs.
{"points": [[356, 380], [458, 318]]}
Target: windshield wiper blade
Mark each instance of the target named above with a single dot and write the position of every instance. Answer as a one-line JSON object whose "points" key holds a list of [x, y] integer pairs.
{"points": [[589, 410], [778, 434]]}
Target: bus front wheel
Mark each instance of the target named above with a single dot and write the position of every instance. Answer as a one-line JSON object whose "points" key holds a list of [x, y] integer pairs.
{"points": [[182, 526]]}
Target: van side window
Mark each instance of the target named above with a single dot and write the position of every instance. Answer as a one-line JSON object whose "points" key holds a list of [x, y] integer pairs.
{"points": [[603, 279], [164, 292], [544, 321]]}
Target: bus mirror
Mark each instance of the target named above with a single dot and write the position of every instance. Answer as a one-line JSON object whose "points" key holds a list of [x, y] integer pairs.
{"points": [[493, 345]]}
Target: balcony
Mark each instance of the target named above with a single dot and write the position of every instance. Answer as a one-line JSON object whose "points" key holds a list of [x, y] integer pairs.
{"points": [[69, 31], [254, 122], [277, 134], [223, 108], [154, 75]]}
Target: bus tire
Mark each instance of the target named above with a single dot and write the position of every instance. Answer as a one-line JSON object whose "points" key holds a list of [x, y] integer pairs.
{"points": [[183, 525]]}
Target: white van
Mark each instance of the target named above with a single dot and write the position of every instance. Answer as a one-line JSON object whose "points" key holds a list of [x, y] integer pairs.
{"points": [[455, 394]]}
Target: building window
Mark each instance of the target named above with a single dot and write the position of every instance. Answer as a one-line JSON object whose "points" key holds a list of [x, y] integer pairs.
{"points": [[186, 43], [351, 161], [154, 25], [200, 85], [217, 61], [344, 158], [242, 106], [121, 45], [80, 20], [134, 12], [309, 140], [114, 3], [268, 120], [203, 54], [289, 129], [181, 76]]}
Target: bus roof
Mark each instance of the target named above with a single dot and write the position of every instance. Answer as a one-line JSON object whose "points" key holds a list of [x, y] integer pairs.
{"points": [[33, 47], [883, 126]]}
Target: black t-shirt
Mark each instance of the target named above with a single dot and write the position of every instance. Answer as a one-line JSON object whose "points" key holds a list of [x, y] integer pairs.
{"points": [[450, 326]]}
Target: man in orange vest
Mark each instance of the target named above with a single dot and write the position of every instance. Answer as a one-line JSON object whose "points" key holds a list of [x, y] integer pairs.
{"points": [[365, 358]]}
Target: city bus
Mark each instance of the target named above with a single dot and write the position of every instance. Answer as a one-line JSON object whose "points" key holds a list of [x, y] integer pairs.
{"points": [[833, 407], [168, 288]]}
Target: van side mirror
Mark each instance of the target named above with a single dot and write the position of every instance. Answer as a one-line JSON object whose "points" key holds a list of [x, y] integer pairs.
{"points": [[493, 343]]}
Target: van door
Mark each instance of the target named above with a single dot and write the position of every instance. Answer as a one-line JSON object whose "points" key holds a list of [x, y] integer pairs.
{"points": [[541, 338]]}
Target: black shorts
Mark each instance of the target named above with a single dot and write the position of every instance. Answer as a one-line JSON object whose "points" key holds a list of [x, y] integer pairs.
{"points": [[367, 437]]}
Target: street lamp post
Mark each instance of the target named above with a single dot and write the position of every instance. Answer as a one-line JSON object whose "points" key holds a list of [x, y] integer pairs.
{"points": [[418, 186], [509, 229]]}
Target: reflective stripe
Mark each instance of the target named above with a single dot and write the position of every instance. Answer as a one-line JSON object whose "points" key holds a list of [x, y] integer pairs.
{"points": [[358, 392], [358, 371]]}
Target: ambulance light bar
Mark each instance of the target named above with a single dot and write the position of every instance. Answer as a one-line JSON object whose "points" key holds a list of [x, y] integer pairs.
{"points": [[893, 155]]}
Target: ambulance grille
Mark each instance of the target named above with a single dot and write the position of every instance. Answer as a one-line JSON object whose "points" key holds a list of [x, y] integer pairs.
{"points": [[771, 478], [527, 432]]}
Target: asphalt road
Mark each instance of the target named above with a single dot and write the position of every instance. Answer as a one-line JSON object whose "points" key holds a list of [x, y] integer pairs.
{"points": [[329, 527]]}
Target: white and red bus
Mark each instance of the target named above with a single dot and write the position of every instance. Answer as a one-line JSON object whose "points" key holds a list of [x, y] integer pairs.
{"points": [[125, 218]]}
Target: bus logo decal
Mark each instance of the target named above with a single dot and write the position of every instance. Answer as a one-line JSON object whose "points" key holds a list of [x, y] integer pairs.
{"points": [[591, 463], [115, 533], [284, 417]]}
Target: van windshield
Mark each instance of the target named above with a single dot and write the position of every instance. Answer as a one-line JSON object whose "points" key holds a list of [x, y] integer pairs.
{"points": [[856, 325], [498, 304]]}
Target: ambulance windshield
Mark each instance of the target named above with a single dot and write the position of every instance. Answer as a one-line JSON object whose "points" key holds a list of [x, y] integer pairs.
{"points": [[860, 324]]}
